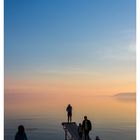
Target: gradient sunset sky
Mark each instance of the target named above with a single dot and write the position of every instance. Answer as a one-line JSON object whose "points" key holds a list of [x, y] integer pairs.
{"points": [[70, 46]]}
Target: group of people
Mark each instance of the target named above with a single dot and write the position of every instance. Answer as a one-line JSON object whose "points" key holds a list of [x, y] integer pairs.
{"points": [[84, 128]]}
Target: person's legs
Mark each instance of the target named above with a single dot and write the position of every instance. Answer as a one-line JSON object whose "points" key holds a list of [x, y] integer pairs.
{"points": [[86, 135], [70, 118], [80, 135]]}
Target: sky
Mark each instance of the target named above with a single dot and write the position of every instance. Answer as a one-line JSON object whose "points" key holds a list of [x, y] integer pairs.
{"points": [[69, 46]]}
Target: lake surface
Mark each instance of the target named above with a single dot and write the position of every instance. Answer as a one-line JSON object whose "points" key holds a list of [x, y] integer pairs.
{"points": [[42, 115]]}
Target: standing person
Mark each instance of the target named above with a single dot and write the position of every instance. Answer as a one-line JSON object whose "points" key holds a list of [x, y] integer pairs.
{"points": [[80, 131], [21, 135], [97, 138], [86, 127], [69, 112]]}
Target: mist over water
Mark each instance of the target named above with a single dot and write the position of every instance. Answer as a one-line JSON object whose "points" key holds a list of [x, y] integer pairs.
{"points": [[42, 115]]}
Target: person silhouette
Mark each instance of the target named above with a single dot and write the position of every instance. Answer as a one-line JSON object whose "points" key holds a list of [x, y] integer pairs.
{"points": [[21, 135], [86, 127], [97, 138], [80, 131], [69, 112]]}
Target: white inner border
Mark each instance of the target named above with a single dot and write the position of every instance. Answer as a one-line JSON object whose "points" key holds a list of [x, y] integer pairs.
{"points": [[2, 69], [138, 68]]}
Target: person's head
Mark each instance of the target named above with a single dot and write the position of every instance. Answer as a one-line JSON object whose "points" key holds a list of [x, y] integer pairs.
{"points": [[85, 117], [80, 124], [21, 129], [97, 138]]}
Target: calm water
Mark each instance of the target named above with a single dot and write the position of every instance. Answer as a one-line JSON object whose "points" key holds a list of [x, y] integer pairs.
{"points": [[42, 115]]}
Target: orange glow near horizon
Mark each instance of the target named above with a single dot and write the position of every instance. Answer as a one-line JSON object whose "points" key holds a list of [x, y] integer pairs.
{"points": [[72, 84], [99, 108]]}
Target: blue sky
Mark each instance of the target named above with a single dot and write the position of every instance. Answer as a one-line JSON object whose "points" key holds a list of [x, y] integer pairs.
{"points": [[69, 36]]}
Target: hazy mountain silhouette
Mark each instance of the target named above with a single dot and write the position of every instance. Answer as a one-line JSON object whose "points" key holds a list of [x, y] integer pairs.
{"points": [[128, 96]]}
